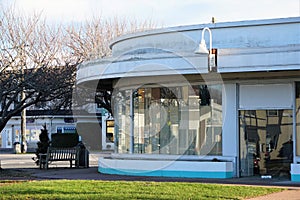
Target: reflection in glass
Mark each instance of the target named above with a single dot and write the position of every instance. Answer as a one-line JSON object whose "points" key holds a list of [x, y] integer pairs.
{"points": [[110, 130], [170, 120], [122, 120], [266, 145], [298, 118]]}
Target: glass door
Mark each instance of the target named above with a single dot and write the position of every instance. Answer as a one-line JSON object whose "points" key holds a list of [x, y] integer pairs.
{"points": [[266, 146]]}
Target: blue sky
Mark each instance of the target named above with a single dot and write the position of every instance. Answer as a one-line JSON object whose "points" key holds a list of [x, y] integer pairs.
{"points": [[165, 12]]}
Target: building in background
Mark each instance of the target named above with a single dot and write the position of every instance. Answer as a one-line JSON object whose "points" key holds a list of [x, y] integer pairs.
{"points": [[87, 123], [56, 122]]}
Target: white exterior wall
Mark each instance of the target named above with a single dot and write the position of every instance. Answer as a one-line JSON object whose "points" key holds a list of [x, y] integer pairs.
{"points": [[266, 96], [246, 46], [173, 168], [228, 35]]}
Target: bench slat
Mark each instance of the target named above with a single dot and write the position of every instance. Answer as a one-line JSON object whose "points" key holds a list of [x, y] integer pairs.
{"points": [[62, 154]]}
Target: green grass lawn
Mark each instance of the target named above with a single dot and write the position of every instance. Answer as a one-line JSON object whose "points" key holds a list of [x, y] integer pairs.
{"points": [[80, 189]]}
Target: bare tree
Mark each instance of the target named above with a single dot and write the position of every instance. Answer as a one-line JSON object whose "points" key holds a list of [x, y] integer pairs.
{"points": [[32, 66], [91, 41], [38, 62]]}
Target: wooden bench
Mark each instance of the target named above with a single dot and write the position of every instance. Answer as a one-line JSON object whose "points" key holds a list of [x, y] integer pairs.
{"points": [[60, 154]]}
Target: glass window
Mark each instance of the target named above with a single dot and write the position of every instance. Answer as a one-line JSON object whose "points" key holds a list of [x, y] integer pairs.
{"points": [[205, 120], [59, 130], [298, 118], [110, 130], [122, 120], [266, 145], [170, 120], [68, 129], [1, 139], [34, 135]]}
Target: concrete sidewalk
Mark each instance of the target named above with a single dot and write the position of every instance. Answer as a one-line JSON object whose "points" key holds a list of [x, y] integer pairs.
{"points": [[292, 194], [93, 174]]}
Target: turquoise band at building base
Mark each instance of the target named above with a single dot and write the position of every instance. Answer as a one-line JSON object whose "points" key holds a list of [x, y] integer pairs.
{"points": [[166, 173], [295, 177]]}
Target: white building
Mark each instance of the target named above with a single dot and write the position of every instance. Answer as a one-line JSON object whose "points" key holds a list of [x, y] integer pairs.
{"points": [[61, 122], [86, 124], [177, 116]]}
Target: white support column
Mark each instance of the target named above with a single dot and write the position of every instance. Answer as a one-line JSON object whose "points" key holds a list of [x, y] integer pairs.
{"points": [[230, 136], [131, 123], [294, 125]]}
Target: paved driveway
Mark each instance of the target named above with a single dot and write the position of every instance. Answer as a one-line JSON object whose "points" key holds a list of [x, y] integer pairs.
{"points": [[21, 161]]}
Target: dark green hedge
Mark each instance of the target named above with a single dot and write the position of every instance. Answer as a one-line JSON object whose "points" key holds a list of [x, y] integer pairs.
{"points": [[64, 140]]}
